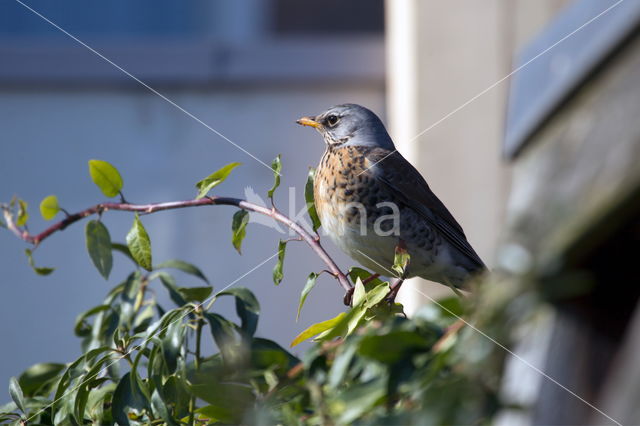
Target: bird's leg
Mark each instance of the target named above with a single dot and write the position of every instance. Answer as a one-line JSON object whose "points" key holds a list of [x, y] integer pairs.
{"points": [[401, 264], [395, 288], [348, 296]]}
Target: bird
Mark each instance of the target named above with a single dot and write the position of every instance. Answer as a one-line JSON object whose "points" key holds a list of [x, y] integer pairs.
{"points": [[372, 201]]}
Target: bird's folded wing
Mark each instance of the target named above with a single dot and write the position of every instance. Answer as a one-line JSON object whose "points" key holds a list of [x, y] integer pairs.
{"points": [[407, 185]]}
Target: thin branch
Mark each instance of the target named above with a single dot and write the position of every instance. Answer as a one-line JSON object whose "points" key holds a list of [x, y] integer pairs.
{"points": [[452, 329], [196, 361], [370, 278], [288, 240], [310, 239]]}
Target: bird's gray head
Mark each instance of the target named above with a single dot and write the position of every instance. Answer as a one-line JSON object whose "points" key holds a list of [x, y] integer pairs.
{"points": [[350, 124]]}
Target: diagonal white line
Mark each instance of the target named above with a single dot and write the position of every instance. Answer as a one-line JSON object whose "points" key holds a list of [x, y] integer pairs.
{"points": [[142, 83], [503, 347], [135, 348], [500, 81], [590, 21]]}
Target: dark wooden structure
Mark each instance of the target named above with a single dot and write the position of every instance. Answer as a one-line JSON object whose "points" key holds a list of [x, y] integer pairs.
{"points": [[573, 135]]}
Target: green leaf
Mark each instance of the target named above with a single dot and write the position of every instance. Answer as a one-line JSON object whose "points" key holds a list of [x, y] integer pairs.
{"points": [[356, 316], [401, 260], [81, 328], [376, 294], [341, 365], [311, 282], [183, 266], [229, 401], [49, 207], [268, 355], [211, 368], [239, 228], [198, 294], [309, 198], [223, 332], [83, 391], [211, 414], [318, 328], [130, 296], [172, 343], [346, 325], [16, 394], [143, 319], [247, 308], [391, 347], [99, 247], [362, 303], [356, 272], [450, 307], [23, 214], [38, 270], [106, 177], [98, 399], [361, 398], [214, 179], [139, 244], [128, 400], [359, 293], [277, 270], [175, 393], [64, 410], [75, 369], [276, 166], [160, 408], [39, 376], [174, 291]]}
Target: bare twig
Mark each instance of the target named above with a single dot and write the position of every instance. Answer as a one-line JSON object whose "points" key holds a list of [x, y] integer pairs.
{"points": [[370, 278], [451, 330], [310, 239]]}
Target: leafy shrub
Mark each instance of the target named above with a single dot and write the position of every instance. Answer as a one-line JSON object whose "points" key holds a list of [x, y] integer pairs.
{"points": [[143, 363]]}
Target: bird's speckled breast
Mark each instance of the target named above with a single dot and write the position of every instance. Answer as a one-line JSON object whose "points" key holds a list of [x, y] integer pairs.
{"points": [[343, 185], [341, 181], [346, 195]]}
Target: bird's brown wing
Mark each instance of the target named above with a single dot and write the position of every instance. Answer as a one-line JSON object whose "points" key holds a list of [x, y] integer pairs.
{"points": [[406, 184]]}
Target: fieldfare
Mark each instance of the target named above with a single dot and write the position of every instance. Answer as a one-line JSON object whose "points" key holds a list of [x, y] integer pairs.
{"points": [[371, 200]]}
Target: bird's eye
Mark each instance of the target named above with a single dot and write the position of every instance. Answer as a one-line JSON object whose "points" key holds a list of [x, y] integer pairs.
{"points": [[332, 120]]}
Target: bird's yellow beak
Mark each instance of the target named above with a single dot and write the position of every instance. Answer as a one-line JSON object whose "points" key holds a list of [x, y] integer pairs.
{"points": [[308, 121]]}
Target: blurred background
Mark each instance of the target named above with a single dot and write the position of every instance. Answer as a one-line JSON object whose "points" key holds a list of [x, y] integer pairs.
{"points": [[248, 69], [434, 71]]}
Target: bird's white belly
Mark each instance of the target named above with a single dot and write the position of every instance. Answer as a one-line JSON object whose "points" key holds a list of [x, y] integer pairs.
{"points": [[376, 252], [373, 251]]}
